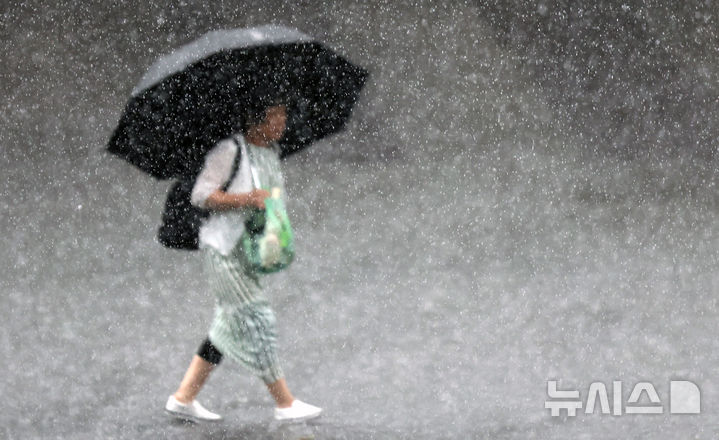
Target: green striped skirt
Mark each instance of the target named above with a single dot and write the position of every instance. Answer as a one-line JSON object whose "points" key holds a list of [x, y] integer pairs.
{"points": [[244, 327]]}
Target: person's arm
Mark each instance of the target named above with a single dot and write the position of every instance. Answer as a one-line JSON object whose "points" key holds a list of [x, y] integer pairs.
{"points": [[207, 192], [222, 201]]}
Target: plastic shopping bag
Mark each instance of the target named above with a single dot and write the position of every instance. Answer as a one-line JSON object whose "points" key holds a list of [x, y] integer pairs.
{"points": [[268, 242]]}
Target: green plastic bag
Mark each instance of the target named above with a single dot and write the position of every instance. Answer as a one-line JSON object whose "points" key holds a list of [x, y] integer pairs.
{"points": [[268, 242]]}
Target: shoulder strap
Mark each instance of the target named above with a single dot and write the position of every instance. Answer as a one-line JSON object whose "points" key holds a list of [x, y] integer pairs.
{"points": [[242, 145], [235, 166]]}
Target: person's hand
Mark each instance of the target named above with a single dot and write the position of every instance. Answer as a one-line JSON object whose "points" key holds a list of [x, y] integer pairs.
{"points": [[257, 197]]}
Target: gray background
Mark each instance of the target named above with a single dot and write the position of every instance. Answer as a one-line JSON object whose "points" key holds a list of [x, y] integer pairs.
{"points": [[526, 191]]}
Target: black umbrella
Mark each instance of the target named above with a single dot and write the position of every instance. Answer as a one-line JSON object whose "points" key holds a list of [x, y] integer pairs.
{"points": [[199, 94]]}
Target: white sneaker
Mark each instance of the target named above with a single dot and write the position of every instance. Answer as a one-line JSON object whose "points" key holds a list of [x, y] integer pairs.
{"points": [[298, 411], [190, 411]]}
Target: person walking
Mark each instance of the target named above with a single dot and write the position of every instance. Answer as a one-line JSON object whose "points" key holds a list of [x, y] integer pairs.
{"points": [[244, 324], [184, 102]]}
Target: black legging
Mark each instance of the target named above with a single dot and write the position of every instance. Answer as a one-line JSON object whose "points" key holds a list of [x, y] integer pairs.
{"points": [[209, 352]]}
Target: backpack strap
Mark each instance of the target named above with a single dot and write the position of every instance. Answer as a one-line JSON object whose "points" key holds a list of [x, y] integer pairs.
{"points": [[235, 166]]}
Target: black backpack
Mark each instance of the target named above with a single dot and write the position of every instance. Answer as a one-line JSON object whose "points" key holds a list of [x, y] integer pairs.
{"points": [[181, 220]]}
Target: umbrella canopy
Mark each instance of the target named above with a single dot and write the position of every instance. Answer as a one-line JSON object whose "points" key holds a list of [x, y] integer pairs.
{"points": [[195, 96]]}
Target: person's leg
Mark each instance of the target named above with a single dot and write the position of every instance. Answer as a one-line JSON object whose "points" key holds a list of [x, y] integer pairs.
{"points": [[194, 379], [289, 408], [182, 403], [281, 393], [202, 364]]}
